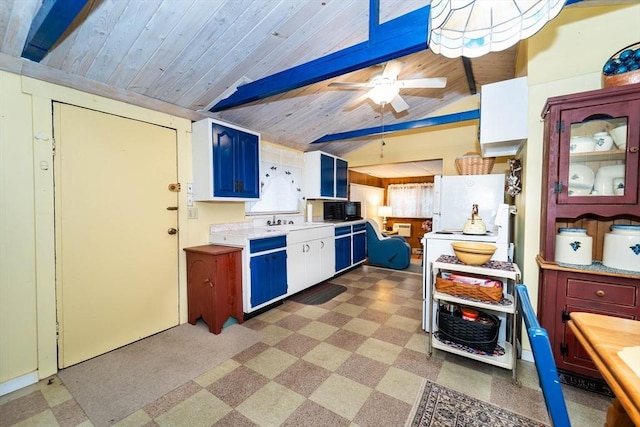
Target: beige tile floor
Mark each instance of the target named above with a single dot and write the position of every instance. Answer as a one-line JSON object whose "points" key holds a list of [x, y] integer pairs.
{"points": [[357, 360]]}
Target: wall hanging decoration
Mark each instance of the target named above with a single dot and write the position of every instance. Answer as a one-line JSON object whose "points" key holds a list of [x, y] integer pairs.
{"points": [[514, 179]]}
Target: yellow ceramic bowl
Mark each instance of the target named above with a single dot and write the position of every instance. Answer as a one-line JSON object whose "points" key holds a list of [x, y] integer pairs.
{"points": [[473, 253]]}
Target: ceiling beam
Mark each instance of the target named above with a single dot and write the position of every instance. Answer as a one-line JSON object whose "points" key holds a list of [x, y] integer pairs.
{"points": [[401, 36], [414, 124], [49, 23]]}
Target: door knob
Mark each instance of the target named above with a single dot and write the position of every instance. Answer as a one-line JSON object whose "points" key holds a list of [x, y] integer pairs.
{"points": [[172, 231]]}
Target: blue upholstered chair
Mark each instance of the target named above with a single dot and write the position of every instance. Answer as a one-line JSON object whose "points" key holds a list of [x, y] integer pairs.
{"points": [[545, 365], [391, 252]]}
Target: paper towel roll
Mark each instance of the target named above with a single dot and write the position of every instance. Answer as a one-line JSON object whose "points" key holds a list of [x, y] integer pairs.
{"points": [[309, 212]]}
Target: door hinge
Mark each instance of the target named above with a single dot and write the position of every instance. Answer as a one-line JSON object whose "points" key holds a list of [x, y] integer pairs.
{"points": [[53, 147], [564, 349], [557, 187], [565, 316], [175, 188], [57, 330], [560, 126]]}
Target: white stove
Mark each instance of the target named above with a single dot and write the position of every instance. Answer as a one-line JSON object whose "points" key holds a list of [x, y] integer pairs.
{"points": [[438, 243]]}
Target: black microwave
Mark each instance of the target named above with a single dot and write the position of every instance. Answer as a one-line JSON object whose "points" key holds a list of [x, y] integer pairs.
{"points": [[342, 211]]}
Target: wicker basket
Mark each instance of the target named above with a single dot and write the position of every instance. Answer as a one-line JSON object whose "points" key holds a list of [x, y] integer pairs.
{"points": [[469, 333], [630, 77], [473, 164], [464, 290]]}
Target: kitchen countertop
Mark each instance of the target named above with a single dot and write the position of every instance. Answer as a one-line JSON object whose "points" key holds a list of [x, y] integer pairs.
{"points": [[250, 232], [239, 233]]}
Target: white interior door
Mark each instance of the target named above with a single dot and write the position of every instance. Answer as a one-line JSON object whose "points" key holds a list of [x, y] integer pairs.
{"points": [[371, 198], [116, 263]]}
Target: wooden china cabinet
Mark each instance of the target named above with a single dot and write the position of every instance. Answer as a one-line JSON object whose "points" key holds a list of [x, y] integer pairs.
{"points": [[569, 201]]}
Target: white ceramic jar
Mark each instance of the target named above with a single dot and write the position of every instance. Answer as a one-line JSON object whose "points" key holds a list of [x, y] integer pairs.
{"points": [[573, 246], [604, 142], [622, 247]]}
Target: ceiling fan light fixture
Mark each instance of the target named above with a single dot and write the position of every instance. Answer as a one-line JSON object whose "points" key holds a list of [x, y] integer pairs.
{"points": [[473, 28], [384, 94]]}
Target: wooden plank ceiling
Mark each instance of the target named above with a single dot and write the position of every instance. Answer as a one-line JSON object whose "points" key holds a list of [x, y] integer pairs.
{"points": [[183, 56]]}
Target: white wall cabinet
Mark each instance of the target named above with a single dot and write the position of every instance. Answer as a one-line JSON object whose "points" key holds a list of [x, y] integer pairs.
{"points": [[504, 117], [326, 176]]}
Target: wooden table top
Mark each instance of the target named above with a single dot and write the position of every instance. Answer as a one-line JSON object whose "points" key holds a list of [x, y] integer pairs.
{"points": [[603, 337]]}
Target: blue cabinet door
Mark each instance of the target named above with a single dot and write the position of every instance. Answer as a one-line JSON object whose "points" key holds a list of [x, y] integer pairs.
{"points": [[268, 277], [359, 247], [235, 163], [224, 141], [278, 273], [247, 166], [327, 176], [342, 174], [343, 252]]}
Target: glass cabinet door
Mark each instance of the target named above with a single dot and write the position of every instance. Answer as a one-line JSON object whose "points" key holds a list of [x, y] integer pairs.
{"points": [[598, 158]]}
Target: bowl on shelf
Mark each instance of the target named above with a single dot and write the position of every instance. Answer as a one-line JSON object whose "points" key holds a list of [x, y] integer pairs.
{"points": [[577, 190], [582, 144], [603, 183], [473, 253], [581, 176], [619, 136]]}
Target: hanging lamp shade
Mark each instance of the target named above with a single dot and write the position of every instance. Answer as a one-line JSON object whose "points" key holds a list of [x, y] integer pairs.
{"points": [[473, 28]]}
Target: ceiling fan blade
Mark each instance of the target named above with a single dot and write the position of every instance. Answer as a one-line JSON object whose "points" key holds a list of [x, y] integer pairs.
{"points": [[399, 105], [436, 82], [350, 85], [392, 69]]}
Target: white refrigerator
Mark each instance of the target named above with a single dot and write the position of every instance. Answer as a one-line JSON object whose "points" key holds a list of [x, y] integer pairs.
{"points": [[454, 197]]}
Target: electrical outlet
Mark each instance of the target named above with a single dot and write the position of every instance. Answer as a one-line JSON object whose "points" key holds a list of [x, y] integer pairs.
{"points": [[189, 188], [192, 213], [189, 201]]}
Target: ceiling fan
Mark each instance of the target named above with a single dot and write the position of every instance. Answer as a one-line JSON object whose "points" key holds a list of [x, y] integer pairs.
{"points": [[384, 87]]}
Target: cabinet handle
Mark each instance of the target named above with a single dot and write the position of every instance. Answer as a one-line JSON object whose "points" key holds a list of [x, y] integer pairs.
{"points": [[600, 293], [633, 149], [207, 281]]}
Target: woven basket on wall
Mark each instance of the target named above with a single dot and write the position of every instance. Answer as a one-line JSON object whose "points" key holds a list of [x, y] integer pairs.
{"points": [[473, 164]]}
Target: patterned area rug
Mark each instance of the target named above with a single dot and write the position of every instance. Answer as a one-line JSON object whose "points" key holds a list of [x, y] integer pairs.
{"points": [[319, 294], [439, 406]]}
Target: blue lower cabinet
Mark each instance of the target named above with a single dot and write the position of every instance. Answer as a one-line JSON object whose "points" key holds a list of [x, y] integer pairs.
{"points": [[268, 277], [359, 247], [343, 252]]}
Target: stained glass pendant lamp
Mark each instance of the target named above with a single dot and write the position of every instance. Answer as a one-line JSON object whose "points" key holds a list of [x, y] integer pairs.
{"points": [[472, 28]]}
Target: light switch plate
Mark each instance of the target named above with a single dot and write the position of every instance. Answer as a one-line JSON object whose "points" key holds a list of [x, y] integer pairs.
{"points": [[192, 213], [189, 188]]}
